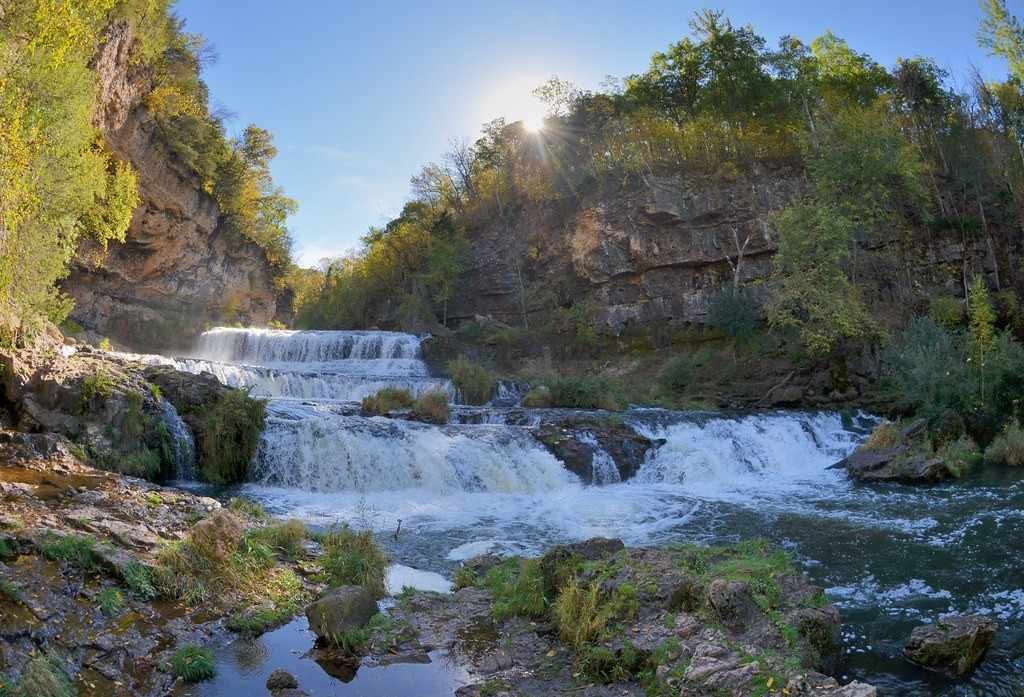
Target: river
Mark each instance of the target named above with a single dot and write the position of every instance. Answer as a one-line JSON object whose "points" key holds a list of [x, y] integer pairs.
{"points": [[890, 556]]}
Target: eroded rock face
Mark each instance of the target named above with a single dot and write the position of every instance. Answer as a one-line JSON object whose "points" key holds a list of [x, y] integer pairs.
{"points": [[652, 251], [953, 645], [179, 269]]}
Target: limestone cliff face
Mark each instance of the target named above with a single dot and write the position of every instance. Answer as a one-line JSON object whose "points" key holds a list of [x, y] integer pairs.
{"points": [[650, 252], [178, 269]]}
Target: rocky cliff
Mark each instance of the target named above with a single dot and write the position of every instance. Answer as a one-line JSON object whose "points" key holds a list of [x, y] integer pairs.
{"points": [[179, 269], [653, 251], [650, 251]]}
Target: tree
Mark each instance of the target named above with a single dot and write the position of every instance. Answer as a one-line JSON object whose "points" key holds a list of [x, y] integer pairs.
{"points": [[812, 291], [982, 330], [1002, 34]]}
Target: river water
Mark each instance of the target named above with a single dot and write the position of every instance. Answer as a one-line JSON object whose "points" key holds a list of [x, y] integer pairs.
{"points": [[890, 557]]}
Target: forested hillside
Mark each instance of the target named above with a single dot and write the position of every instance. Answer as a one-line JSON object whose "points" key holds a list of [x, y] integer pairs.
{"points": [[740, 224], [112, 160]]}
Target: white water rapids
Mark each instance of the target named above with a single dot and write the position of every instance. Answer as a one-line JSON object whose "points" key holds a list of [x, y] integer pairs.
{"points": [[889, 556]]}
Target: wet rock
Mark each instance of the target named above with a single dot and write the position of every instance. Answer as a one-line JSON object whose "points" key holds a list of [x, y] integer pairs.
{"points": [[953, 645], [281, 680], [820, 685], [481, 564], [577, 442], [732, 602], [553, 561], [339, 610]]}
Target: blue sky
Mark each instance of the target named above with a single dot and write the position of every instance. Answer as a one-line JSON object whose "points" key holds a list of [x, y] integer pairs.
{"points": [[359, 95]]}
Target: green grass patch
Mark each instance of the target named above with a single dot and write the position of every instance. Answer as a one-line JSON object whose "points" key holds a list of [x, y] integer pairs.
{"points": [[1007, 448], [518, 589], [754, 562], [253, 509], [111, 602], [353, 558], [588, 392], [283, 538], [77, 550], [961, 455], [100, 384], [193, 664]]}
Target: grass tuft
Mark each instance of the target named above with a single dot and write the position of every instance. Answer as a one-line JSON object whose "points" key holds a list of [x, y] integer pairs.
{"points": [[111, 602], [474, 382], [193, 664], [253, 509], [432, 408], [386, 400], [353, 558], [1008, 447]]}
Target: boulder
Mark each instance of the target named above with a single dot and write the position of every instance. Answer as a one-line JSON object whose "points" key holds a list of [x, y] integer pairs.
{"points": [[732, 602], [953, 645], [902, 460], [340, 610], [594, 549]]}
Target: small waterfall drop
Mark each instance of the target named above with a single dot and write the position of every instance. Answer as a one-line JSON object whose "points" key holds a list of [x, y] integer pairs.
{"points": [[183, 446]]}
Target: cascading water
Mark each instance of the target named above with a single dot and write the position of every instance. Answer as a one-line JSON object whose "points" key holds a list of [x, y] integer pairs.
{"points": [[183, 446], [890, 556]]}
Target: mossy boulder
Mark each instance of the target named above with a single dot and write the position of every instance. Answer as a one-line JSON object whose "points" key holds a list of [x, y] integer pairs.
{"points": [[339, 611]]}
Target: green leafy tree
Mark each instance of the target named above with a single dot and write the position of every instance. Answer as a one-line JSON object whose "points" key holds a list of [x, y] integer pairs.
{"points": [[812, 291], [982, 328], [1003, 35]]}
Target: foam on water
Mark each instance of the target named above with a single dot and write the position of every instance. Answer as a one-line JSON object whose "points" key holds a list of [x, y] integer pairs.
{"points": [[276, 346]]}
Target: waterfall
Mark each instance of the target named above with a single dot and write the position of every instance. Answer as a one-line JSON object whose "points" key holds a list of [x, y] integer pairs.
{"points": [[314, 449], [183, 446], [714, 455], [273, 346], [604, 470]]}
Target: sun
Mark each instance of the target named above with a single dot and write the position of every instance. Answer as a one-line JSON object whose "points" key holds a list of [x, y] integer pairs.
{"points": [[533, 124], [513, 99]]}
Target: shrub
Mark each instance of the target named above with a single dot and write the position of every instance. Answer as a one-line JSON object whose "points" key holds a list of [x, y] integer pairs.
{"points": [[99, 384], [474, 382], [9, 590], [537, 398], [193, 664], [353, 558], [595, 392], [885, 436], [386, 400], [144, 463], [229, 437], [946, 311], [961, 455], [75, 550], [432, 408], [1008, 447], [734, 311], [678, 375]]}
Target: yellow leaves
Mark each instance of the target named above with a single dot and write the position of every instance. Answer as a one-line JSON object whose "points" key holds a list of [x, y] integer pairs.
{"points": [[66, 26], [169, 101]]}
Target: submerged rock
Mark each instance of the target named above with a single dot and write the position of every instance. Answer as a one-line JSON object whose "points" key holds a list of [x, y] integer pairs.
{"points": [[281, 680], [953, 645], [340, 610]]}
